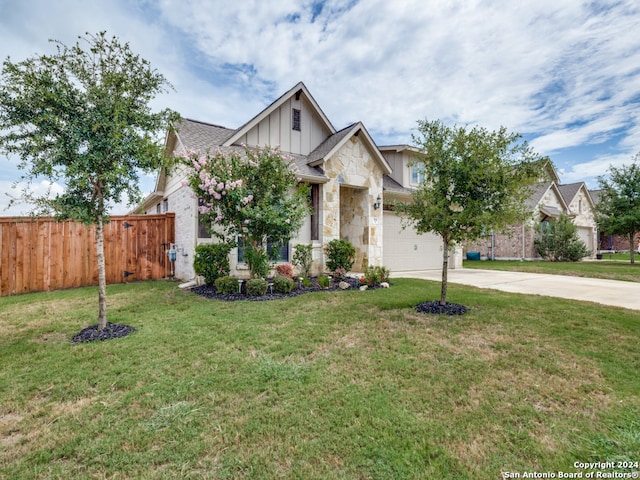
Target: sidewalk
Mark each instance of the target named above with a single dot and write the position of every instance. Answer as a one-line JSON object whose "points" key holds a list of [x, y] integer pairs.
{"points": [[606, 292]]}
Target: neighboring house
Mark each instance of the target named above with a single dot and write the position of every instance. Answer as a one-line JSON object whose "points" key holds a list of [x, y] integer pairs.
{"points": [[549, 199], [351, 179]]}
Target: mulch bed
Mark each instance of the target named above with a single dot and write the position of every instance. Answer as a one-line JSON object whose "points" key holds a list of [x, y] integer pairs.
{"points": [[209, 291], [111, 331], [437, 309]]}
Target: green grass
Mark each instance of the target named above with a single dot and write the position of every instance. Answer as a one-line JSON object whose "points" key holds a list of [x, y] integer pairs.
{"points": [[333, 385], [607, 269]]}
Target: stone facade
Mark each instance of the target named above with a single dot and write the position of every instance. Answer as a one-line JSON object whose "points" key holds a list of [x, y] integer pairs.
{"points": [[355, 181]]}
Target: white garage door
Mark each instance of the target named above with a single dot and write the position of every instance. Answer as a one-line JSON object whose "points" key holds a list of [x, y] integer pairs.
{"points": [[405, 250], [585, 234]]}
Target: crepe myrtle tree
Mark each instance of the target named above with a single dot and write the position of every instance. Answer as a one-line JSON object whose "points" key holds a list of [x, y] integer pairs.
{"points": [[618, 210], [81, 117], [255, 194], [475, 180]]}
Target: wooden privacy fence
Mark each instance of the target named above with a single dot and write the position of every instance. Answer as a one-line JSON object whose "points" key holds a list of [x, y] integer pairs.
{"points": [[42, 254]]}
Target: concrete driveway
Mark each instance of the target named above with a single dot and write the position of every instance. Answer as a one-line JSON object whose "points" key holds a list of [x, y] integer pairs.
{"points": [[606, 292]]}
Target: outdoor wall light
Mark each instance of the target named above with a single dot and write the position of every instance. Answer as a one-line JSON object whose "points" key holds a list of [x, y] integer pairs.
{"points": [[377, 203]]}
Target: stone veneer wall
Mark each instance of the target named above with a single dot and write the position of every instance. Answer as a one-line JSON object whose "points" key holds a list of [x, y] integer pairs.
{"points": [[357, 172]]}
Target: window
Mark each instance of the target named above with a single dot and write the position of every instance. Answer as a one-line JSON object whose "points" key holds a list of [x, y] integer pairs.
{"points": [[281, 255], [158, 208], [165, 205], [295, 121], [417, 174], [314, 200]]}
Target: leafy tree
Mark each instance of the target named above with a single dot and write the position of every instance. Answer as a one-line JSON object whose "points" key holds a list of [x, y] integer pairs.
{"points": [[255, 195], [81, 117], [558, 240], [618, 211], [474, 180]]}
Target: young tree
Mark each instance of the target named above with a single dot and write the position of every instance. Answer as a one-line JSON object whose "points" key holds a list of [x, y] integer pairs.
{"points": [[255, 195], [558, 240], [82, 117], [618, 211], [474, 181]]}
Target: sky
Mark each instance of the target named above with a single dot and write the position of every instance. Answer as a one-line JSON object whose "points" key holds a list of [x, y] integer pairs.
{"points": [[564, 74]]}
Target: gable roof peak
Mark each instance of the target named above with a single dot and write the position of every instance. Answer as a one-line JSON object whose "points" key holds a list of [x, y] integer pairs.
{"points": [[296, 91]]}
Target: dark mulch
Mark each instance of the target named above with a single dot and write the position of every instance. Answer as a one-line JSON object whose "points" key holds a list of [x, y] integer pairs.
{"points": [[209, 291], [110, 331], [437, 309]]}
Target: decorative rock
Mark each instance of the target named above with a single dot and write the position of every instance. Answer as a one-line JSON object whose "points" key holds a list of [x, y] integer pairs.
{"points": [[384, 285], [363, 288], [344, 285]]}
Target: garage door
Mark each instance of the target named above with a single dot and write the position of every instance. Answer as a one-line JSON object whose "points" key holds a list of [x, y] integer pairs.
{"points": [[585, 234], [405, 250]]}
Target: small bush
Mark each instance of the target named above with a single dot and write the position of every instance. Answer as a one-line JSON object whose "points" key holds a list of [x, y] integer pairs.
{"points": [[258, 261], [339, 273], [226, 285], [375, 275], [303, 258], [324, 281], [211, 260], [283, 284], [256, 287], [284, 270], [558, 241], [341, 254]]}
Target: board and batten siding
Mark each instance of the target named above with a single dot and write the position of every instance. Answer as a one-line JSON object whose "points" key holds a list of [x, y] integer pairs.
{"points": [[276, 129]]}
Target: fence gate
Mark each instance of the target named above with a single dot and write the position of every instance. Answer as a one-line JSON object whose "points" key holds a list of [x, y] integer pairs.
{"points": [[41, 254]]}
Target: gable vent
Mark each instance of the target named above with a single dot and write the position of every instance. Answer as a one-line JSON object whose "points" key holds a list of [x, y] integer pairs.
{"points": [[295, 123]]}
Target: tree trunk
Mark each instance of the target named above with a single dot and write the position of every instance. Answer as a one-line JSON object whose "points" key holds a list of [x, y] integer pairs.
{"points": [[632, 243], [445, 270], [102, 277]]}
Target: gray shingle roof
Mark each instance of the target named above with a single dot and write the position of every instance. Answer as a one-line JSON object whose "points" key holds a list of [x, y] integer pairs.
{"points": [[538, 193], [325, 147], [569, 191], [390, 185], [201, 136], [595, 195]]}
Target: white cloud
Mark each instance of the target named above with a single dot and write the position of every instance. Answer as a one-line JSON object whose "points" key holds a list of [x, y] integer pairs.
{"points": [[562, 71]]}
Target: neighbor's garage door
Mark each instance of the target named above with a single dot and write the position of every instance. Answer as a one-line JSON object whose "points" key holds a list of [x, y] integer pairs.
{"points": [[406, 250], [586, 235]]}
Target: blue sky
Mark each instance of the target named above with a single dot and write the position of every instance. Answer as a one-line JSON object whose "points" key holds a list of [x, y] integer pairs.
{"points": [[565, 74]]}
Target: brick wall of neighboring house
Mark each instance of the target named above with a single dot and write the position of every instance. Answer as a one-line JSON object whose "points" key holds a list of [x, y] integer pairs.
{"points": [[616, 242], [515, 244]]}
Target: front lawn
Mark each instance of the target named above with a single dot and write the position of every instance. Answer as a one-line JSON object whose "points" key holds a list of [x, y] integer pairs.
{"points": [[330, 385], [611, 270]]}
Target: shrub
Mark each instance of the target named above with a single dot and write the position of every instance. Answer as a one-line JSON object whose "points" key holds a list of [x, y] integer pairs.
{"points": [[283, 284], [212, 261], [258, 261], [323, 281], [284, 270], [226, 285], [558, 241], [341, 254], [256, 287], [375, 275], [303, 258], [339, 273]]}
